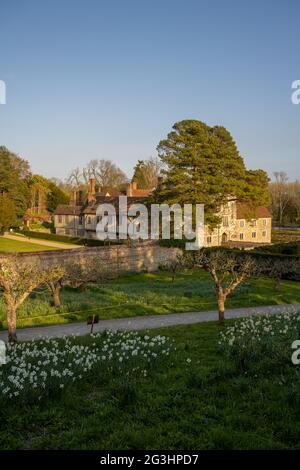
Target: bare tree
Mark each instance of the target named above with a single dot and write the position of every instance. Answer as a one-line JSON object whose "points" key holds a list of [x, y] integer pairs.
{"points": [[174, 265], [75, 274], [278, 268], [105, 172], [280, 195], [75, 178], [147, 172], [18, 279], [295, 196], [227, 270], [90, 171]]}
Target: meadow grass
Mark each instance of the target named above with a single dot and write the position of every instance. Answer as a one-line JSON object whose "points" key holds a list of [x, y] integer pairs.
{"points": [[199, 400], [147, 294], [15, 246]]}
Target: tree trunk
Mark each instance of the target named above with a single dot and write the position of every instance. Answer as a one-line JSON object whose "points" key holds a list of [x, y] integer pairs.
{"points": [[55, 291], [56, 297], [277, 284], [221, 306], [11, 316]]}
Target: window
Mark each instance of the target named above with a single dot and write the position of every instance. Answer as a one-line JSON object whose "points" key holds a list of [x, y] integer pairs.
{"points": [[225, 221], [264, 233], [80, 220], [253, 222], [264, 222], [242, 223], [89, 220], [241, 236], [60, 219], [253, 234], [208, 239]]}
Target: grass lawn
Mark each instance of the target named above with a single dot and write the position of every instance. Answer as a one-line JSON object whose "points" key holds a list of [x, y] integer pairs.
{"points": [[197, 400], [13, 246], [147, 294]]}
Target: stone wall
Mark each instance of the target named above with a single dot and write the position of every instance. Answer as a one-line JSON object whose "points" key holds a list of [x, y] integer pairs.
{"points": [[115, 259]]}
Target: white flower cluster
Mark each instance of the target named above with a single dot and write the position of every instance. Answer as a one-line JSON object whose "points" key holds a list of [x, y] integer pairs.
{"points": [[37, 367], [261, 328]]}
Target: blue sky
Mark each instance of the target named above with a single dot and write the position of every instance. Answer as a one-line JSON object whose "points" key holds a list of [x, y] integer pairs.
{"points": [[107, 79]]}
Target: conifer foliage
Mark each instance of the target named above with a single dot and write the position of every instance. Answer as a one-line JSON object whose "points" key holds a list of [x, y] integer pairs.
{"points": [[202, 165]]}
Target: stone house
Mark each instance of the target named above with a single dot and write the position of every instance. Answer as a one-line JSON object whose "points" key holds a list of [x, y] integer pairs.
{"points": [[79, 219], [240, 225]]}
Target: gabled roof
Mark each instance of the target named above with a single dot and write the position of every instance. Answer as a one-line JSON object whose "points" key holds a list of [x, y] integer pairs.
{"points": [[244, 211]]}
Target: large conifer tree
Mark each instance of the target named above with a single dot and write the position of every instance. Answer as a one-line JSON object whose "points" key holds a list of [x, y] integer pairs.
{"points": [[203, 165]]}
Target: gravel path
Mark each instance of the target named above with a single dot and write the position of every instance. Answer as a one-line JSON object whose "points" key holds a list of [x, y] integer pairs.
{"points": [[145, 322]]}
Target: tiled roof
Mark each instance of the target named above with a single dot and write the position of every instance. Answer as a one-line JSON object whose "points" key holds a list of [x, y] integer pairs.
{"points": [[244, 211], [91, 208], [141, 192], [64, 209], [110, 191]]}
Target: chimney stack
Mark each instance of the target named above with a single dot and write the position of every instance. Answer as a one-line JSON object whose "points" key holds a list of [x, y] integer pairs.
{"points": [[73, 199], [130, 188], [91, 190]]}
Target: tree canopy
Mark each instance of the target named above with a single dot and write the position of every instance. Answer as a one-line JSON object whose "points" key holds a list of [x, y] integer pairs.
{"points": [[146, 173], [46, 195], [105, 172], [7, 212], [203, 165], [14, 179]]}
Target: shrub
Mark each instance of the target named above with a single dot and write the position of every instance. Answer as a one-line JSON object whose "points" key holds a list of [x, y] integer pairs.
{"points": [[66, 239], [290, 248]]}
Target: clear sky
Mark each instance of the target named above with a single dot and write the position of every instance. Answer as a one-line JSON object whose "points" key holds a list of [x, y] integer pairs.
{"points": [[107, 79]]}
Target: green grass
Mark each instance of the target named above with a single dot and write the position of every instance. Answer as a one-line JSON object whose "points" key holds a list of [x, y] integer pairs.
{"points": [[147, 294], [14, 246], [204, 404]]}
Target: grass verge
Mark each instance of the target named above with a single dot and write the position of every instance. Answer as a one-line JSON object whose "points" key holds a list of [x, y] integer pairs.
{"points": [[200, 400], [148, 294]]}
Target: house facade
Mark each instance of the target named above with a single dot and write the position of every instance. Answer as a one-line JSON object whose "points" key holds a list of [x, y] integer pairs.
{"points": [[240, 226], [80, 219]]}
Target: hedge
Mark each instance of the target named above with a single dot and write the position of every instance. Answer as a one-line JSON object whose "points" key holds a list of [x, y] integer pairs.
{"points": [[281, 236], [66, 239], [289, 248]]}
